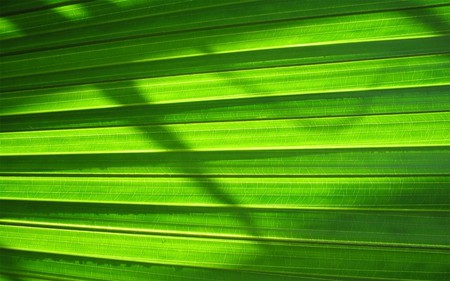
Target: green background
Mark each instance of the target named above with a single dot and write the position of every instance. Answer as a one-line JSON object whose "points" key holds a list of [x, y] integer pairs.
{"points": [[224, 140]]}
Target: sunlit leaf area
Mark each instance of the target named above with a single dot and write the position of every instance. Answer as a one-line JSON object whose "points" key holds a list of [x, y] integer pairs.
{"points": [[204, 140]]}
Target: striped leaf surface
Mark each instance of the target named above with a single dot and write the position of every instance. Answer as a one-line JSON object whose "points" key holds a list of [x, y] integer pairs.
{"points": [[224, 140]]}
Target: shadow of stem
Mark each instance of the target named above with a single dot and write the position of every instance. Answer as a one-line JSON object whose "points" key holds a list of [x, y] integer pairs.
{"points": [[132, 95]]}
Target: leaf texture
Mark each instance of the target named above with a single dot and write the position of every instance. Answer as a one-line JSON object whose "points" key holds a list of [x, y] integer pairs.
{"points": [[224, 140]]}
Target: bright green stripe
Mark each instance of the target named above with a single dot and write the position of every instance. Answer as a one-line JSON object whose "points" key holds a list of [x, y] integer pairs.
{"points": [[205, 18], [385, 192], [310, 79], [379, 161], [8, 29], [231, 254], [332, 104], [340, 132], [366, 27]]}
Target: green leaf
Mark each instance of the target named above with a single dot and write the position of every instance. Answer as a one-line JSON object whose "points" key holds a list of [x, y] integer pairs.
{"points": [[224, 140]]}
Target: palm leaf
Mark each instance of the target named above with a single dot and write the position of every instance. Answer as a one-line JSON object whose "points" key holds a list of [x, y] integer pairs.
{"points": [[224, 140]]}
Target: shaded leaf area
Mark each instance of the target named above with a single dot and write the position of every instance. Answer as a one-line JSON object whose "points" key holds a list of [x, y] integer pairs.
{"points": [[49, 266], [258, 163], [418, 130], [330, 220], [171, 18], [366, 76], [224, 140], [283, 257], [188, 55], [352, 104]]}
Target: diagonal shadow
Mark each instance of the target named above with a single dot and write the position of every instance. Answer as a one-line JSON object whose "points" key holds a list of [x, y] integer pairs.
{"points": [[131, 95]]}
